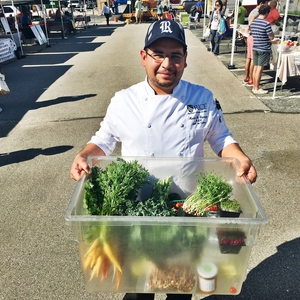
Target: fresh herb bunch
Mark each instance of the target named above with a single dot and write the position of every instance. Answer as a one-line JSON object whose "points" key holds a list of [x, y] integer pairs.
{"points": [[211, 190], [230, 205], [114, 191], [110, 192], [93, 196], [157, 204]]}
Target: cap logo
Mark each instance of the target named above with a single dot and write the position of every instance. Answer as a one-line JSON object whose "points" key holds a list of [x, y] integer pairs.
{"points": [[164, 29], [165, 26]]}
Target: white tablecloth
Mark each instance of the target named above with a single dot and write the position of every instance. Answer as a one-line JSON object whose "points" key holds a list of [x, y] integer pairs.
{"points": [[289, 66]]}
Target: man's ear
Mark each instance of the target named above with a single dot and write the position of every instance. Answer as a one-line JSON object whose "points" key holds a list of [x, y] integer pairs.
{"points": [[143, 57]]}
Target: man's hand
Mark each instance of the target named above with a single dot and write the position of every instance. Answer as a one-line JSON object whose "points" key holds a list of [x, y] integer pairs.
{"points": [[248, 170], [79, 167]]}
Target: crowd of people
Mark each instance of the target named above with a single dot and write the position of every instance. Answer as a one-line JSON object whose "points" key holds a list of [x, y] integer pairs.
{"points": [[259, 43], [260, 34]]}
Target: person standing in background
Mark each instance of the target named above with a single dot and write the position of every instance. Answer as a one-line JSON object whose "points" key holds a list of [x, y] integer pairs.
{"points": [[159, 10], [255, 12], [116, 7], [262, 36], [26, 18], [249, 61], [112, 6], [213, 25], [242, 11], [274, 15], [138, 11], [199, 9], [105, 12]]}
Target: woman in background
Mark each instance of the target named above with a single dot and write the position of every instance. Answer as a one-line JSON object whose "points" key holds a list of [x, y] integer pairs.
{"points": [[213, 25]]}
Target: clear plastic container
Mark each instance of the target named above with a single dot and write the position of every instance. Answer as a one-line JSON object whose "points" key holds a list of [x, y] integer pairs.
{"points": [[161, 254]]}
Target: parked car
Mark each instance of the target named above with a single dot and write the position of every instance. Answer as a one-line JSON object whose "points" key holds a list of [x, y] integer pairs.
{"points": [[11, 10], [74, 3], [175, 3], [187, 5]]}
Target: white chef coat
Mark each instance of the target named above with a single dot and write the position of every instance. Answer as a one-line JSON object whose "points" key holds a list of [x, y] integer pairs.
{"points": [[163, 125]]}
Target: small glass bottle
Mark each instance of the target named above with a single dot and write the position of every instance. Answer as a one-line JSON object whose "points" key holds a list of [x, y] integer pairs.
{"points": [[207, 272]]}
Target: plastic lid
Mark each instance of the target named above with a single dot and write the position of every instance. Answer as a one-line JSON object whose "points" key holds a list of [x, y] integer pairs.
{"points": [[207, 270]]}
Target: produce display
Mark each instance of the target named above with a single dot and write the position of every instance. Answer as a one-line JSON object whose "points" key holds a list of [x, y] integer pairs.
{"points": [[290, 43], [288, 46], [134, 237], [115, 191]]}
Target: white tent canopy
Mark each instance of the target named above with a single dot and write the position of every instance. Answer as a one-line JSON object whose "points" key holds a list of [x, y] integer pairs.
{"points": [[282, 39]]}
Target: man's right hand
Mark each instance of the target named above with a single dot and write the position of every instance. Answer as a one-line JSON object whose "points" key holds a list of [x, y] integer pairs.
{"points": [[79, 167]]}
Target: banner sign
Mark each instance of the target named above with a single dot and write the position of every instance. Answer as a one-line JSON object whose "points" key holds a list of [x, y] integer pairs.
{"points": [[5, 25], [39, 34], [7, 48]]}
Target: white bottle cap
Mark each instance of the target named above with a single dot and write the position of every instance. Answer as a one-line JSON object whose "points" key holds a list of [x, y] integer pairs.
{"points": [[207, 270]]}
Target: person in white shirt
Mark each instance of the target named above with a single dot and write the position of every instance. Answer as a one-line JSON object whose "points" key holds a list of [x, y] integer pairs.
{"points": [[106, 12], [213, 24], [163, 115]]}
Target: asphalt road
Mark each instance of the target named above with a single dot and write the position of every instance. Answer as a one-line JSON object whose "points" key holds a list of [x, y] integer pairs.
{"points": [[59, 95]]}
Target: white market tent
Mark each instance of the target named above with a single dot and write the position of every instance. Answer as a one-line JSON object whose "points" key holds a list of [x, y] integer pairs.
{"points": [[25, 2], [282, 39], [280, 49], [208, 7]]}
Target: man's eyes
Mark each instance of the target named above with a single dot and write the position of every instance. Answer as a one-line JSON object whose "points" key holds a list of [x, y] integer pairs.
{"points": [[173, 56], [157, 55]]}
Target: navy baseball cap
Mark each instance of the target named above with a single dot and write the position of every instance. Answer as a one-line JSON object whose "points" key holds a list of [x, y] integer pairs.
{"points": [[165, 29]]}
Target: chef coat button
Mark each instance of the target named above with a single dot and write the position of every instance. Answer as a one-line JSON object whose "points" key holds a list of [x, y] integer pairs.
{"points": [[182, 125], [149, 125], [152, 154]]}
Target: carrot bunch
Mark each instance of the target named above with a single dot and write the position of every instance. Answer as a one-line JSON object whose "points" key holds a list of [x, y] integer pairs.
{"points": [[99, 258]]}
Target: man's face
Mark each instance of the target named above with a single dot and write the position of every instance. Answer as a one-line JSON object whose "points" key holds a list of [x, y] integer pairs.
{"points": [[164, 76]]}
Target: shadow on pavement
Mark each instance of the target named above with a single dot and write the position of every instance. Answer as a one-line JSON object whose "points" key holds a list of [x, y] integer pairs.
{"points": [[277, 277], [59, 100], [24, 155], [28, 78]]}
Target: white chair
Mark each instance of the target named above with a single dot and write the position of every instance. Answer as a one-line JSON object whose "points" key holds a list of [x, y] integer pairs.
{"points": [[193, 20]]}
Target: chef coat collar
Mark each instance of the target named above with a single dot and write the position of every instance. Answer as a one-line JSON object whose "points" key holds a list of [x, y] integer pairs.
{"points": [[150, 91]]}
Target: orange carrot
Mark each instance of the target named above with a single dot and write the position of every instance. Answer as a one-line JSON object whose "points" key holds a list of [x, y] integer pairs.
{"points": [[108, 251], [104, 268], [119, 275]]}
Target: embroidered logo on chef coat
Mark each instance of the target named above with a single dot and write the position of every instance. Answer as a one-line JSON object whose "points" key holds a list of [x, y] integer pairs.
{"points": [[197, 113]]}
